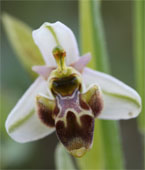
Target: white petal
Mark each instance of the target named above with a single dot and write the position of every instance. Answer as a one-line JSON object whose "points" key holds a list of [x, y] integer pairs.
{"points": [[23, 124], [45, 40], [120, 100]]}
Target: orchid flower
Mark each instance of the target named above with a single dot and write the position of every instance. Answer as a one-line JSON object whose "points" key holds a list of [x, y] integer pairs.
{"points": [[67, 96]]}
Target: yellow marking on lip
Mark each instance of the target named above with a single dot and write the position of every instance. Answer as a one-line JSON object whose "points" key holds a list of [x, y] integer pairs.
{"points": [[78, 152], [83, 112], [76, 147]]}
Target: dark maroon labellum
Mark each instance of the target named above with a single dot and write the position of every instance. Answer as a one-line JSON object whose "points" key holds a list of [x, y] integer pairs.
{"points": [[75, 136]]}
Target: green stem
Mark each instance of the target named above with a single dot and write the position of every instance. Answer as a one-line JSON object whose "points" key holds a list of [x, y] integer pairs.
{"points": [[92, 36], [139, 53]]}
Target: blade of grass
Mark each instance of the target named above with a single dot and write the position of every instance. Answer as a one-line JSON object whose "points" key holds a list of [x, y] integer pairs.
{"points": [[109, 147], [86, 36], [139, 56], [100, 50]]}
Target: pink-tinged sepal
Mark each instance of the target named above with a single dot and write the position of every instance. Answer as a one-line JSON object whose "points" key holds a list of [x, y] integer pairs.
{"points": [[76, 132], [81, 63], [92, 98], [43, 71], [45, 110]]}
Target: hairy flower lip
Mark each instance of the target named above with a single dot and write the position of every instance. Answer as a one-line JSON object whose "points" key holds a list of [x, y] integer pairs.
{"points": [[120, 101], [76, 132]]}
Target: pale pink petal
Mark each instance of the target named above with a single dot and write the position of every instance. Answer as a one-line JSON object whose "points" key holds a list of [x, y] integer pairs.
{"points": [[80, 64], [43, 71]]}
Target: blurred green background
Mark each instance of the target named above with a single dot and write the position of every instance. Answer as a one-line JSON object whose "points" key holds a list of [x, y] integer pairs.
{"points": [[118, 24]]}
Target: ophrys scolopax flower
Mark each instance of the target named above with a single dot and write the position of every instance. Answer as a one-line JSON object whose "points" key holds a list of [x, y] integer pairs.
{"points": [[68, 96]]}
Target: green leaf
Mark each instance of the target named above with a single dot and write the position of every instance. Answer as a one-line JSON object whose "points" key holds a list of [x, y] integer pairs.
{"points": [[20, 36], [139, 55], [106, 151], [99, 43], [63, 160]]}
